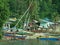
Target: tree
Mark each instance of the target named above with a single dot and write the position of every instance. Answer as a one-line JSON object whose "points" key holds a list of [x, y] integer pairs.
{"points": [[4, 14]]}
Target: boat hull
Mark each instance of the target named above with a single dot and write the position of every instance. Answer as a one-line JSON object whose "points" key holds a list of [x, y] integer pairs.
{"points": [[14, 36], [53, 39]]}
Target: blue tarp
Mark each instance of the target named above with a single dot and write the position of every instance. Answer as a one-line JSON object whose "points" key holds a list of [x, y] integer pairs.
{"points": [[45, 23], [53, 39]]}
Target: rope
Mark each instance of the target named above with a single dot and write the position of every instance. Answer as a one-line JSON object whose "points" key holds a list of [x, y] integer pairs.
{"points": [[25, 23], [24, 14], [28, 20], [26, 17]]}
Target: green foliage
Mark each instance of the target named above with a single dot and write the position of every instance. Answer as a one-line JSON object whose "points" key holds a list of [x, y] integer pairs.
{"points": [[4, 13], [49, 8]]}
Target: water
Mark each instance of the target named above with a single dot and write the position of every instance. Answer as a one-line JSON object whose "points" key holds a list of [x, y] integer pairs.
{"points": [[30, 42]]}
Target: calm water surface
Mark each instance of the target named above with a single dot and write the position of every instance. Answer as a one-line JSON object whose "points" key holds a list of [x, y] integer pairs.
{"points": [[30, 42]]}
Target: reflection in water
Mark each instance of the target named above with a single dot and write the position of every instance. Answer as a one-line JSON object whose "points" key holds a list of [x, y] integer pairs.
{"points": [[30, 42]]}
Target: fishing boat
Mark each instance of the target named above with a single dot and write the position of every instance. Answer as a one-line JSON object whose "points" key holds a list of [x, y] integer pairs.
{"points": [[53, 39], [49, 37], [15, 36], [20, 37]]}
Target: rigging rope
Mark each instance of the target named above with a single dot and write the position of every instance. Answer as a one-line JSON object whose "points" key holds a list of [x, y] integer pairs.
{"points": [[25, 22], [24, 14], [26, 17]]}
